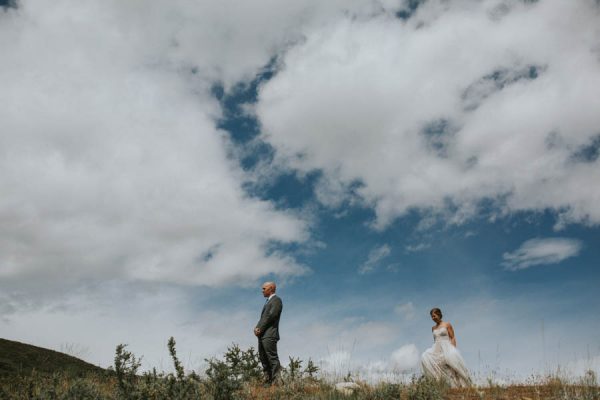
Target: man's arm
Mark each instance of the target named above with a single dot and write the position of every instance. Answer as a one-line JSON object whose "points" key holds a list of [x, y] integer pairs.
{"points": [[274, 311]]}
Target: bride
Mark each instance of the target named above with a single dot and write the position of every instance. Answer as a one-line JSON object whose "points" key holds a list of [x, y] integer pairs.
{"points": [[443, 360]]}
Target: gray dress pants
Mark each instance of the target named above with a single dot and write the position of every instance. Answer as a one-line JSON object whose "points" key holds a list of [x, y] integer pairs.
{"points": [[267, 351]]}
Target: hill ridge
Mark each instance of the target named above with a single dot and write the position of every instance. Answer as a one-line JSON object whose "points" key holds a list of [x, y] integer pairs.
{"points": [[18, 358]]}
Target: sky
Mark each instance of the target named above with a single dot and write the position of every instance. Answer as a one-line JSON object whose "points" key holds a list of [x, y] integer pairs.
{"points": [[376, 158]]}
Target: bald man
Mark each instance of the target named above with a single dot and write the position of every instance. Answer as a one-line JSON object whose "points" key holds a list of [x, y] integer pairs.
{"points": [[267, 332]]}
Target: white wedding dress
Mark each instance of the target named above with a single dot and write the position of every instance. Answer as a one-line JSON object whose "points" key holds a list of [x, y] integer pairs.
{"points": [[443, 360]]}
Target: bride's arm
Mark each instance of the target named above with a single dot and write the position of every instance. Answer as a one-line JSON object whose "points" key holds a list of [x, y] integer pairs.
{"points": [[451, 334]]}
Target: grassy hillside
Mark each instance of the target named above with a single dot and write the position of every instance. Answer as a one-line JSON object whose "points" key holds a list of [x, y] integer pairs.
{"points": [[21, 359], [236, 375]]}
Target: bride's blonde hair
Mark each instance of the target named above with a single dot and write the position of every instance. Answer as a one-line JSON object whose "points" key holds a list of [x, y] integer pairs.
{"points": [[436, 311]]}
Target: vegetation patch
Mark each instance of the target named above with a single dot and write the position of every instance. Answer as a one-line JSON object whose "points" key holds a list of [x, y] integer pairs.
{"points": [[236, 375]]}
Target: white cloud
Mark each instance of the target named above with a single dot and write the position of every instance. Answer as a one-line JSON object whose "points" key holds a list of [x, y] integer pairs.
{"points": [[442, 111], [331, 192], [111, 165], [405, 358], [224, 41], [375, 256], [541, 251]]}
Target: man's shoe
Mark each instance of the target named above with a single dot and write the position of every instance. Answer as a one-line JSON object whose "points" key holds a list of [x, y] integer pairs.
{"points": [[266, 381], [276, 374], [277, 379]]}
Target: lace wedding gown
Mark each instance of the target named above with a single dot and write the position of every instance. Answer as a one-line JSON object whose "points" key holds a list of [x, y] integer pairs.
{"points": [[443, 360]]}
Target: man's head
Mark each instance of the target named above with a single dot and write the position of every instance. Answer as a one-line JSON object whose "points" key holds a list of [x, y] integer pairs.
{"points": [[268, 288]]}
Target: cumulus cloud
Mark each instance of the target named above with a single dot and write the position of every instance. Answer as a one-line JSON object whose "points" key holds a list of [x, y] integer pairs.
{"points": [[462, 103], [111, 164], [405, 358], [402, 360], [540, 252], [375, 256]]}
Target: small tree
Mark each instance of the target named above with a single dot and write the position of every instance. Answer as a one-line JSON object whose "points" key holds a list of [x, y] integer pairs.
{"points": [[295, 368], [311, 369], [126, 367], [176, 363], [179, 386]]}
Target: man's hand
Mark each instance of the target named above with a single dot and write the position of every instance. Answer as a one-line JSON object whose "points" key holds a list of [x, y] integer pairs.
{"points": [[256, 332]]}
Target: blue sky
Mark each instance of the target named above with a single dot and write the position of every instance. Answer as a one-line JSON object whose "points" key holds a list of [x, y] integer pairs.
{"points": [[375, 158]]}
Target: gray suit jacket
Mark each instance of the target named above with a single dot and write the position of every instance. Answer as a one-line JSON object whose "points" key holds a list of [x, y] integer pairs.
{"points": [[269, 318]]}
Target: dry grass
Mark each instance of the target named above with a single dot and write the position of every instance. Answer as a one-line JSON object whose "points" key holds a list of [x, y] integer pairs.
{"points": [[552, 389], [33, 387], [522, 392]]}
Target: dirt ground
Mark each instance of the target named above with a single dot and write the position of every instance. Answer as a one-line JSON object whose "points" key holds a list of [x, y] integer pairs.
{"points": [[546, 392]]}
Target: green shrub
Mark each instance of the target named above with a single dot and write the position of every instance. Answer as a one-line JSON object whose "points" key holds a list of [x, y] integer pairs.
{"points": [[294, 369], [425, 388], [126, 367], [311, 369], [226, 377], [221, 382], [386, 391]]}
